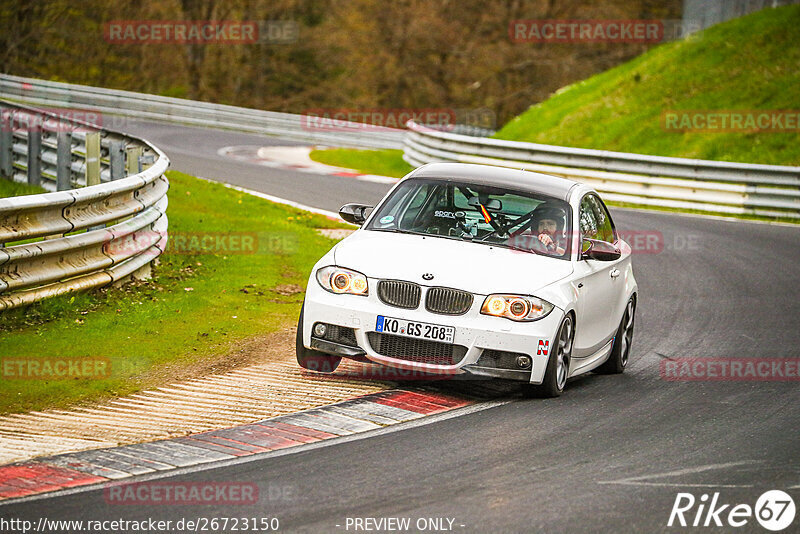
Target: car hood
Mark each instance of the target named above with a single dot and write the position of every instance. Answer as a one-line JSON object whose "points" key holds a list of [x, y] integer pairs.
{"points": [[473, 267]]}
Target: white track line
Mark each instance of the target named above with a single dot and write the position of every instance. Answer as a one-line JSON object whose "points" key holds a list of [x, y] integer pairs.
{"points": [[278, 200], [642, 480]]}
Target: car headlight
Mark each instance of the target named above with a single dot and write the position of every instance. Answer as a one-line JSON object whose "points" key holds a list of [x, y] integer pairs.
{"points": [[340, 280], [516, 307]]}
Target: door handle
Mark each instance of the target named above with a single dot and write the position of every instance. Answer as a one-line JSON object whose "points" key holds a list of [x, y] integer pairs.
{"points": [[614, 273]]}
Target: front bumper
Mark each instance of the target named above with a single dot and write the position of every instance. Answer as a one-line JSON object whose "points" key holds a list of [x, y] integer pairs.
{"points": [[478, 333]]}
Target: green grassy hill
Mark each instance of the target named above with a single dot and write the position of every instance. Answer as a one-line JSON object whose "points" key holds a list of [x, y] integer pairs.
{"points": [[750, 63]]}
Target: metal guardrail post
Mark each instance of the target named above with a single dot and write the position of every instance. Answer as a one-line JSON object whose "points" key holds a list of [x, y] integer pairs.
{"points": [[64, 258], [132, 163], [145, 161], [92, 158], [63, 161], [34, 156], [93, 164], [116, 157], [6, 144]]}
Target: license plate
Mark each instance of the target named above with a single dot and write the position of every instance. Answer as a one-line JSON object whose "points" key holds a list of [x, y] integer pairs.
{"points": [[401, 327]]}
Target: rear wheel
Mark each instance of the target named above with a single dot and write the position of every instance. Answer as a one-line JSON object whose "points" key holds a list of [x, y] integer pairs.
{"points": [[621, 348], [555, 377], [310, 359]]}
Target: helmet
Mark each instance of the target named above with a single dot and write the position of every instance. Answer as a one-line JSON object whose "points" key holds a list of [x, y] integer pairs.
{"points": [[549, 211]]}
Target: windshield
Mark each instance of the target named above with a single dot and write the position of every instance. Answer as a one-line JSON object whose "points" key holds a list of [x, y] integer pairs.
{"points": [[478, 213]]}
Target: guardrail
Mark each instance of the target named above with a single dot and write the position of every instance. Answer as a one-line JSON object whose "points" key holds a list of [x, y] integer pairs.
{"points": [[190, 112], [74, 239], [707, 186]]}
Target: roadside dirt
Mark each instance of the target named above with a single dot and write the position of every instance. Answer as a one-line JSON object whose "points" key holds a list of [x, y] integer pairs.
{"points": [[261, 349]]}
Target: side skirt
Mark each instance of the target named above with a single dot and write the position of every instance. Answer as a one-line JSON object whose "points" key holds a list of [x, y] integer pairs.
{"points": [[584, 365]]}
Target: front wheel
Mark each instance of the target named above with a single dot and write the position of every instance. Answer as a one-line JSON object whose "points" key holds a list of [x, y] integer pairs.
{"points": [[310, 359], [555, 377], [621, 348]]}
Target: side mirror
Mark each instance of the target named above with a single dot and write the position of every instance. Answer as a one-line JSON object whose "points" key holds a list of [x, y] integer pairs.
{"points": [[598, 250], [354, 213]]}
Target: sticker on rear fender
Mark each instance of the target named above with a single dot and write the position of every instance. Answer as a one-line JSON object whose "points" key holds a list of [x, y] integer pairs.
{"points": [[401, 327]]}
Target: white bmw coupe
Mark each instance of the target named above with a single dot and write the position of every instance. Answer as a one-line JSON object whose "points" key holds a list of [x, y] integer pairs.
{"points": [[475, 269]]}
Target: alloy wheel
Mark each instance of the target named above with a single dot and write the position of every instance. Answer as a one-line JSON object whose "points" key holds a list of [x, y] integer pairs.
{"points": [[563, 352], [627, 332]]}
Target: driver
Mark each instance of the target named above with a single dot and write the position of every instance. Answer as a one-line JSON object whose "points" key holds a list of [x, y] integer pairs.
{"points": [[548, 225]]}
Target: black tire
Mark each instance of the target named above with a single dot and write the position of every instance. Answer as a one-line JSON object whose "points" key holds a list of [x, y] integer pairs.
{"points": [[621, 349], [555, 377], [310, 359]]}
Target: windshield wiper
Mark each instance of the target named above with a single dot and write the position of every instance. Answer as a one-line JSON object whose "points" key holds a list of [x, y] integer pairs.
{"points": [[403, 231], [409, 232]]}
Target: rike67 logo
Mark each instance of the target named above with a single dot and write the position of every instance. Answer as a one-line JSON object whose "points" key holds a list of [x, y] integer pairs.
{"points": [[774, 510]]}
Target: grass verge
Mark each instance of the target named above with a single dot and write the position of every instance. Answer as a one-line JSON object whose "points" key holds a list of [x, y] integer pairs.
{"points": [[748, 63], [190, 317], [15, 189], [380, 162]]}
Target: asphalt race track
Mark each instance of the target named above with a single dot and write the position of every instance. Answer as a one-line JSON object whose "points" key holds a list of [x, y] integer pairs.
{"points": [[610, 455], [194, 151]]}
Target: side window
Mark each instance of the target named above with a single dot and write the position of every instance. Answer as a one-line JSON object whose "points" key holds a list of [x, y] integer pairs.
{"points": [[604, 225], [595, 221]]}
